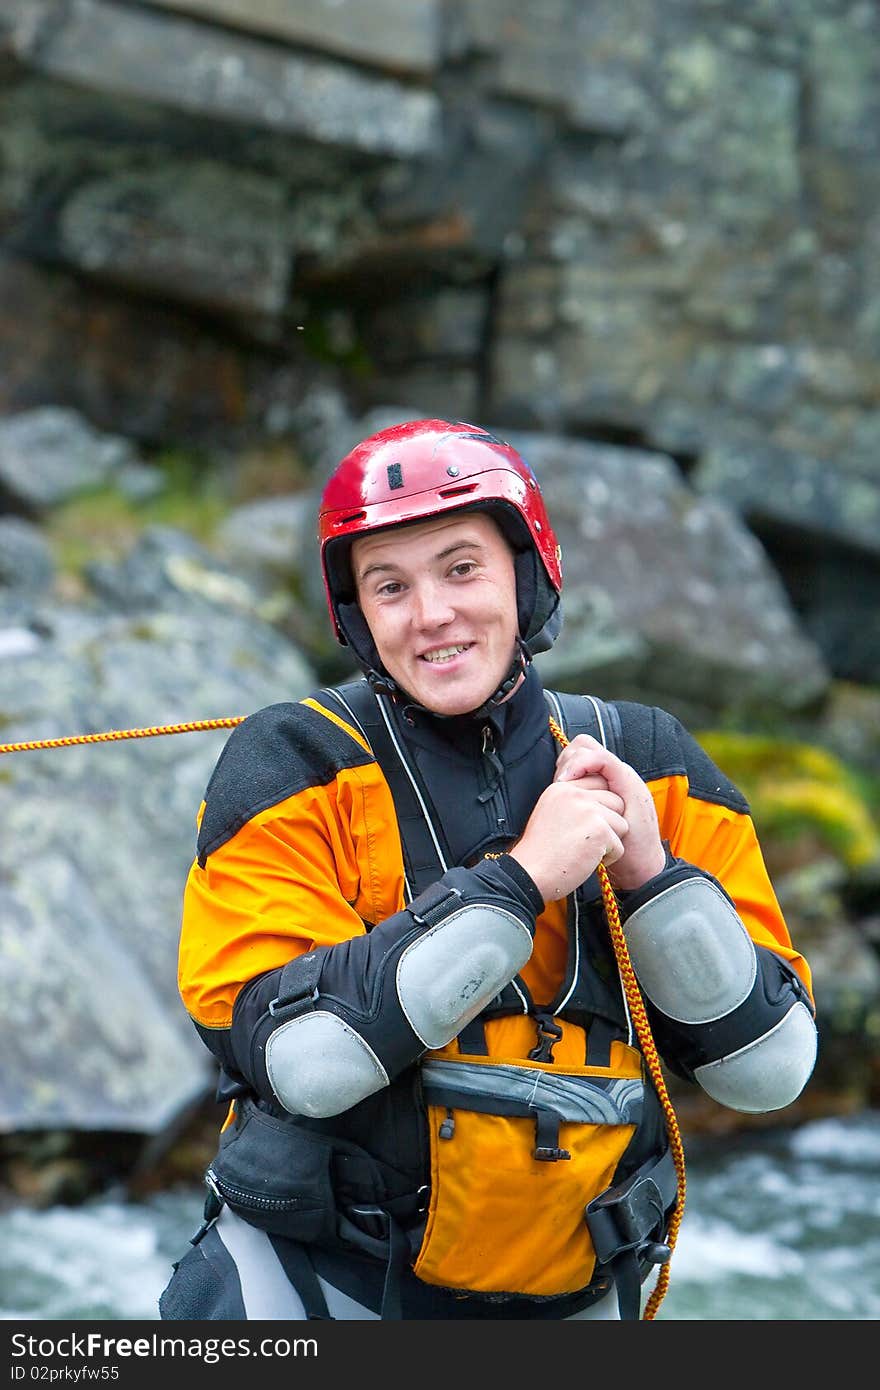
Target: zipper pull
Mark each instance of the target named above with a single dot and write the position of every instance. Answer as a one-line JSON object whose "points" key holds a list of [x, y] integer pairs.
{"points": [[447, 1127], [487, 748]]}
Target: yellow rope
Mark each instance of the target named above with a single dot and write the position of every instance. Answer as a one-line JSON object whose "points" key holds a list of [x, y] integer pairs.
{"points": [[112, 734], [652, 1060], [618, 941]]}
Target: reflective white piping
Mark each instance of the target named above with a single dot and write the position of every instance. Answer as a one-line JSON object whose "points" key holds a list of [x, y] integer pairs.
{"points": [[602, 739], [577, 952], [557, 715], [630, 1031], [577, 916], [407, 886], [419, 797], [514, 986]]}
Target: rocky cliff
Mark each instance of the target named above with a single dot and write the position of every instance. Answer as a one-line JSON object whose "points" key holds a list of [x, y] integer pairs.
{"points": [[640, 241]]}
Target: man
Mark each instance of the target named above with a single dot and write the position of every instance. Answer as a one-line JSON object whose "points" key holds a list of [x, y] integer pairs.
{"points": [[396, 942]]}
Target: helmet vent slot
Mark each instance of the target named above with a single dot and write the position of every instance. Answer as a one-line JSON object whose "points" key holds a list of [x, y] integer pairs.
{"points": [[457, 491], [347, 520]]}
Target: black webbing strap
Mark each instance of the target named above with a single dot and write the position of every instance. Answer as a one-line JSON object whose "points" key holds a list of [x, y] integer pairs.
{"points": [[297, 987], [374, 1230], [472, 1038], [587, 714], [422, 862], [628, 1223], [600, 1035], [398, 1262], [295, 1262]]}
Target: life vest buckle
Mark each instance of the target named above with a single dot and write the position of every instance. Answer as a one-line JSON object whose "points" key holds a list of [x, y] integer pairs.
{"points": [[633, 1214], [549, 1033]]}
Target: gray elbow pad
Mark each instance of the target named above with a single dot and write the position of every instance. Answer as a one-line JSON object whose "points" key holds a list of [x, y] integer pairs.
{"points": [[318, 1066], [446, 976], [770, 1072], [691, 953], [738, 1017]]}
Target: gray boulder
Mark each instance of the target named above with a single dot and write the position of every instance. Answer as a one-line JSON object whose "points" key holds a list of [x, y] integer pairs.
{"points": [[668, 597], [97, 842]]}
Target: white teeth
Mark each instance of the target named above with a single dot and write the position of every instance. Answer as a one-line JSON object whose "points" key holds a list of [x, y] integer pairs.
{"points": [[442, 653]]}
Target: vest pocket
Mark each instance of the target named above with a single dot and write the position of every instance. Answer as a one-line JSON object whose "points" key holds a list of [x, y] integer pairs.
{"points": [[275, 1175], [518, 1149]]}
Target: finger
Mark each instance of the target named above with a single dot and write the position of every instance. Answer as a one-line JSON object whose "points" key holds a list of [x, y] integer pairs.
{"points": [[598, 762], [614, 851], [602, 797], [574, 772], [617, 824], [580, 762], [590, 757], [608, 822]]}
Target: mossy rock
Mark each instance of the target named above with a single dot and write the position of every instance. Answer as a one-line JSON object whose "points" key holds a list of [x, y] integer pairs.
{"points": [[801, 794]]}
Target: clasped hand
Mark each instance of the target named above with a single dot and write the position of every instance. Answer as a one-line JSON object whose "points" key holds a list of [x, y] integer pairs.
{"points": [[596, 809]]}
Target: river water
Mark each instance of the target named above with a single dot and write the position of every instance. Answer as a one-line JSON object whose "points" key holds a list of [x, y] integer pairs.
{"points": [[778, 1225]]}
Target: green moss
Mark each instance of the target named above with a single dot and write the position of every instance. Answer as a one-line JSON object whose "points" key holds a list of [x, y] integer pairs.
{"points": [[198, 492], [798, 791], [105, 523]]}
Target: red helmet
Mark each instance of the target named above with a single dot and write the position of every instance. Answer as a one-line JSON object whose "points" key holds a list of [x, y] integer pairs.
{"points": [[420, 470]]}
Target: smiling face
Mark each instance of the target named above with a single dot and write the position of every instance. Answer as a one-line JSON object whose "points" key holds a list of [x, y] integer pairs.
{"points": [[439, 598]]}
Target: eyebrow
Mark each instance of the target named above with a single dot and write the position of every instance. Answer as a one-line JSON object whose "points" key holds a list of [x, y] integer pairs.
{"points": [[389, 567]]}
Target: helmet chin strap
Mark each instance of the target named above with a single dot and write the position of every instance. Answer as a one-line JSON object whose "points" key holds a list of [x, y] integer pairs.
{"points": [[521, 659], [380, 680]]}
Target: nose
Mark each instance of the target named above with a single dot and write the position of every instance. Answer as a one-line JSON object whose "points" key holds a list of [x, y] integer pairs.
{"points": [[431, 606]]}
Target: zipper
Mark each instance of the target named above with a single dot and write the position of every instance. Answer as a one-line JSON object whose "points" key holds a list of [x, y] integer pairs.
{"points": [[230, 1193], [493, 795]]}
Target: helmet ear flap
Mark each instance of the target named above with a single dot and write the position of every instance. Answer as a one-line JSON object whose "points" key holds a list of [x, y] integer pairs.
{"points": [[353, 626], [548, 632], [538, 610]]}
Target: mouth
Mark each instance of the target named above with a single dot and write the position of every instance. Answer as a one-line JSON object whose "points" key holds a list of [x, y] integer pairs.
{"points": [[439, 655]]}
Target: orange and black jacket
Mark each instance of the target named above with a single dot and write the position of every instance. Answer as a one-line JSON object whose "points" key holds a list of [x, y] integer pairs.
{"points": [[299, 860]]}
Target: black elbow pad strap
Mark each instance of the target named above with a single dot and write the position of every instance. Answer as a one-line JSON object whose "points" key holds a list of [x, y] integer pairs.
{"points": [[297, 986], [776, 988]]}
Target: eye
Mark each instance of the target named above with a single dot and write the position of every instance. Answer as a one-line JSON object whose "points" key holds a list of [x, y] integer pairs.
{"points": [[389, 589], [464, 568]]}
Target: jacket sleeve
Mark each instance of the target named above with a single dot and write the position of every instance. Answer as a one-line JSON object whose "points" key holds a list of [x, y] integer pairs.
{"points": [[296, 898], [706, 822], [728, 995]]}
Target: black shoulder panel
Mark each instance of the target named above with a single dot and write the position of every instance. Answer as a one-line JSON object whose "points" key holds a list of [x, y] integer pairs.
{"points": [[657, 745], [273, 754]]}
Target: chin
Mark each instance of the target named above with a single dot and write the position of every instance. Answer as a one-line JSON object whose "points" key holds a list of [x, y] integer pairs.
{"points": [[464, 704], [449, 702]]}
